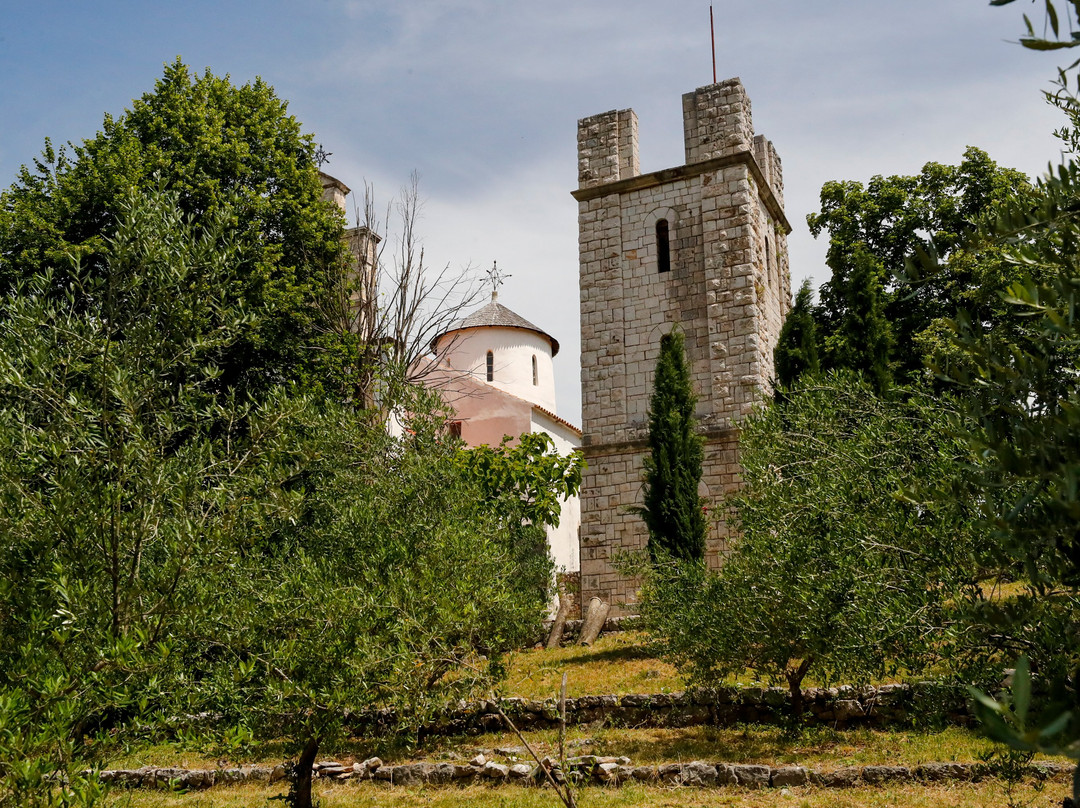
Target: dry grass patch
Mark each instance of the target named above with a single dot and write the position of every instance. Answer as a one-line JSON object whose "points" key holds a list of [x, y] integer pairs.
{"points": [[616, 663], [818, 748], [966, 795]]}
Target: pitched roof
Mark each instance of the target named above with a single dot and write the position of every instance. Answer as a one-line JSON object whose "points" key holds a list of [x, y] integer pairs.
{"points": [[496, 315]]}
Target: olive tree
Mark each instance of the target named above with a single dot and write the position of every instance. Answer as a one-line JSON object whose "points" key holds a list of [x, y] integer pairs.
{"points": [[126, 482], [832, 573]]}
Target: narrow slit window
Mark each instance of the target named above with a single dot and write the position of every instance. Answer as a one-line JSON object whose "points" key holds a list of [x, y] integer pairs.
{"points": [[768, 261], [490, 366], [663, 247], [536, 376]]}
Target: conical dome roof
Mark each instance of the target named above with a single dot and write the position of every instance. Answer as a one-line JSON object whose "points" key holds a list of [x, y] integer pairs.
{"points": [[496, 315]]}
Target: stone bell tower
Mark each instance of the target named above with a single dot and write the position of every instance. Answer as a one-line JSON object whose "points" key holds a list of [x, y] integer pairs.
{"points": [[703, 245]]}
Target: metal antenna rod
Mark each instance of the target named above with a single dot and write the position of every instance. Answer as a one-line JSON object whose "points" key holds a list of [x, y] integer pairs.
{"points": [[712, 34]]}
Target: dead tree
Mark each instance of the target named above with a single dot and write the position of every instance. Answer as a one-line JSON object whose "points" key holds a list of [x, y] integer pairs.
{"points": [[390, 307]]}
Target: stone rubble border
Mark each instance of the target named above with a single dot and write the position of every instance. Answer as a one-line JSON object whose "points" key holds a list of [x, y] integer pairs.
{"points": [[584, 770]]}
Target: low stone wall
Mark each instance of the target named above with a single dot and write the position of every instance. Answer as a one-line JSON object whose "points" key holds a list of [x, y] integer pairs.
{"points": [[586, 770], [842, 707]]}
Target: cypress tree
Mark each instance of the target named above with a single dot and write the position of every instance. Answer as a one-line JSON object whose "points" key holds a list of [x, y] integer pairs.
{"points": [[796, 350], [864, 340], [673, 511]]}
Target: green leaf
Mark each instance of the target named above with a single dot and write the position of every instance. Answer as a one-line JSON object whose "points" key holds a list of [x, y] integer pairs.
{"points": [[986, 701], [1051, 13], [1034, 43]]}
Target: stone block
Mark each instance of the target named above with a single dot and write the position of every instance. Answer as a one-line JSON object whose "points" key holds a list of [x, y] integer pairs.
{"points": [[751, 776], [942, 772], [789, 776], [697, 773], [845, 777], [883, 774]]}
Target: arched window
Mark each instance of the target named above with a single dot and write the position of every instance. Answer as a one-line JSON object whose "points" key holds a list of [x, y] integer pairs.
{"points": [[663, 246], [490, 366]]}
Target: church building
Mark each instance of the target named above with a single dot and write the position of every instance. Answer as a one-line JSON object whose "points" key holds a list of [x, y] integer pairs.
{"points": [[495, 371]]}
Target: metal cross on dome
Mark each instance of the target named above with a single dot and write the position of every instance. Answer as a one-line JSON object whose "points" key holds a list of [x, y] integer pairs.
{"points": [[496, 278]]}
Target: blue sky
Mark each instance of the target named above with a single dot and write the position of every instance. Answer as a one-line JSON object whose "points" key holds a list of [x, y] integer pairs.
{"points": [[481, 98]]}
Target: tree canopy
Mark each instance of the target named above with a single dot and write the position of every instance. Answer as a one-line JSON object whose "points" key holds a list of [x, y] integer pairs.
{"points": [[874, 314], [830, 571], [195, 520], [218, 147]]}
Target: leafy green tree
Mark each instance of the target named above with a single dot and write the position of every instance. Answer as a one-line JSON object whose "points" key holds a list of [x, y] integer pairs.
{"points": [[170, 551], [527, 480], [863, 342], [831, 573], [1022, 397], [1023, 408], [402, 589], [524, 485], [883, 226], [796, 350], [126, 484], [219, 148], [1019, 383], [672, 508]]}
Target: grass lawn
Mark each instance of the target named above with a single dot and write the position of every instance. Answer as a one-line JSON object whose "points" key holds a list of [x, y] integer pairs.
{"points": [[619, 664], [817, 748], [616, 663], [967, 795]]}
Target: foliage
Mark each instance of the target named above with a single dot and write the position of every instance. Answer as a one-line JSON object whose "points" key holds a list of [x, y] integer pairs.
{"points": [[219, 148], [1006, 719], [125, 483], [170, 551], [877, 229], [524, 485], [525, 478], [1023, 399], [1053, 18], [672, 508], [36, 747], [797, 346], [399, 589], [1025, 403], [863, 341], [1022, 405], [831, 570]]}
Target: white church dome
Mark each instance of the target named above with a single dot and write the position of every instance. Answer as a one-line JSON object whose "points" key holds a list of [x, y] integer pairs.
{"points": [[497, 346]]}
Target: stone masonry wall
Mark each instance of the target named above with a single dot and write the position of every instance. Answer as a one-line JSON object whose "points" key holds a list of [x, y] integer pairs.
{"points": [[727, 289]]}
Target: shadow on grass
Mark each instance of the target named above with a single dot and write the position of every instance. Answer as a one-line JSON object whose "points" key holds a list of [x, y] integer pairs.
{"points": [[624, 653], [731, 745]]}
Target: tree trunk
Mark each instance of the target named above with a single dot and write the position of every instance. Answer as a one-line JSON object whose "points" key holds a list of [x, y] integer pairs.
{"points": [[795, 678], [302, 783]]}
